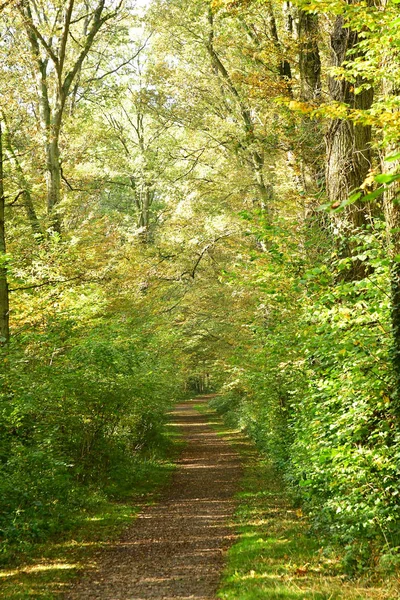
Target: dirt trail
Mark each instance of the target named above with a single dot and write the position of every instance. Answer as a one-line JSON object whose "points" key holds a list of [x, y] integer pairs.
{"points": [[175, 550]]}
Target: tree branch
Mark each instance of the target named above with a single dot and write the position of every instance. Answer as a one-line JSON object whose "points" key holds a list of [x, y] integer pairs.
{"points": [[98, 21], [206, 248], [69, 185], [19, 194], [63, 46], [121, 65], [40, 285], [34, 31]]}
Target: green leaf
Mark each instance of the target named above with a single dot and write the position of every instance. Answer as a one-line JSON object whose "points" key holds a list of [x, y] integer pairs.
{"points": [[375, 194], [351, 199], [396, 156], [324, 207], [386, 178]]}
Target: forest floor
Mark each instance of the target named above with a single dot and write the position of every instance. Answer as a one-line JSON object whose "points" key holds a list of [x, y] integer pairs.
{"points": [[223, 527]]}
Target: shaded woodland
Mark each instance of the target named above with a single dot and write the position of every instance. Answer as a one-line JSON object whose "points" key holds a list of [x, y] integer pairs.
{"points": [[201, 197]]}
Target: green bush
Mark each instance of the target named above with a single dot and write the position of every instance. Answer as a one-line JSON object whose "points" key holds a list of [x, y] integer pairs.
{"points": [[317, 395], [76, 426]]}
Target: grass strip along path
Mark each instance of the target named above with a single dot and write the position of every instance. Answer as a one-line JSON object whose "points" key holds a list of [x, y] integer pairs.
{"points": [[222, 528]]}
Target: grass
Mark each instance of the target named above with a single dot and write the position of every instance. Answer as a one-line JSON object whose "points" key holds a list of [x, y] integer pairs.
{"points": [[49, 568], [275, 557]]}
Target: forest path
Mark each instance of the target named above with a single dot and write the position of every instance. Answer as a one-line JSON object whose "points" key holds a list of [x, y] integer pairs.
{"points": [[175, 549]]}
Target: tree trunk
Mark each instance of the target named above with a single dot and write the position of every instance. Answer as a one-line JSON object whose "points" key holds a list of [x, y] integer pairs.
{"points": [[391, 200], [145, 202], [44, 50], [53, 177], [392, 215], [51, 134], [265, 190], [4, 296], [311, 139], [250, 144], [348, 147]]}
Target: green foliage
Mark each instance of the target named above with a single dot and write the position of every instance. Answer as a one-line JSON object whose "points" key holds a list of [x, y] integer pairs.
{"points": [[75, 424], [317, 395], [274, 556], [100, 520], [346, 431]]}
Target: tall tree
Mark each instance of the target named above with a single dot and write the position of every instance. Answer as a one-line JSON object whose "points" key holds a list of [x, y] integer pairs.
{"points": [[59, 45], [348, 144]]}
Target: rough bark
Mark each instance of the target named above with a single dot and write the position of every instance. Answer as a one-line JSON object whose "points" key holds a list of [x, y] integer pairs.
{"points": [[310, 146], [348, 145], [391, 200], [348, 149], [285, 70], [392, 215], [309, 57]]}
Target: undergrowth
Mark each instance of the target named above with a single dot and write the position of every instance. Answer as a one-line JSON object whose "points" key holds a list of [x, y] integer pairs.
{"points": [[276, 556], [45, 569]]}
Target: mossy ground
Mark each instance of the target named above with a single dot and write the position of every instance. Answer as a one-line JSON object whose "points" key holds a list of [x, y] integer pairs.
{"points": [[275, 557]]}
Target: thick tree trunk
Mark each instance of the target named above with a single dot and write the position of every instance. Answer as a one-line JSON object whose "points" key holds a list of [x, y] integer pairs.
{"points": [[52, 120], [310, 152], [285, 69], [145, 203], [348, 146], [45, 52], [265, 190], [4, 296], [392, 214], [51, 125], [391, 201], [53, 174]]}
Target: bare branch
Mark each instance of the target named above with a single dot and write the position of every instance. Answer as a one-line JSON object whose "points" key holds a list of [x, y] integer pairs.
{"points": [[206, 248], [19, 194], [45, 283], [121, 65], [69, 185]]}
